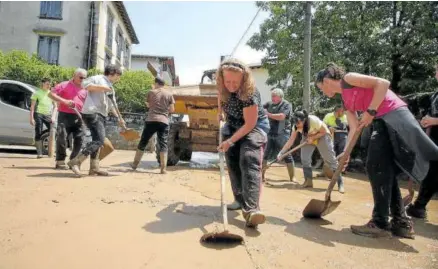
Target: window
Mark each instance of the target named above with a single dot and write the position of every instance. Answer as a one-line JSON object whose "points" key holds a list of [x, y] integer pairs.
{"points": [[15, 95], [48, 48], [109, 30], [107, 58], [164, 68], [51, 10], [119, 41], [126, 55]]}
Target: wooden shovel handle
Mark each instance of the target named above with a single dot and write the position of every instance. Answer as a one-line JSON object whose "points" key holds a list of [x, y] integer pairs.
{"points": [[287, 153], [341, 163]]}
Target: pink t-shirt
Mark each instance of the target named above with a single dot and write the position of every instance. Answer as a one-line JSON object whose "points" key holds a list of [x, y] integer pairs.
{"points": [[79, 99], [359, 99], [67, 90]]}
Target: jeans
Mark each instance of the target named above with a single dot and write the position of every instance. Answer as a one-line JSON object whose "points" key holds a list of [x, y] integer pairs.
{"points": [[275, 144], [150, 128], [382, 171], [339, 143], [40, 121], [244, 162], [96, 124], [68, 124]]}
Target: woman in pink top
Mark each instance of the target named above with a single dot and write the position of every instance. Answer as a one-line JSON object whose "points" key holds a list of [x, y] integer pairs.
{"points": [[397, 143]]}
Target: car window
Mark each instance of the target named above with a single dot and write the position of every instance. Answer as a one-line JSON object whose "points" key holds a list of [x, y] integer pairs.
{"points": [[15, 95]]}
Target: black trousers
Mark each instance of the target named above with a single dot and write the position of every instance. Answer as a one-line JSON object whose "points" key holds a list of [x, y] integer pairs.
{"points": [[150, 128], [244, 162], [96, 124], [68, 124], [40, 121], [274, 145], [382, 171]]}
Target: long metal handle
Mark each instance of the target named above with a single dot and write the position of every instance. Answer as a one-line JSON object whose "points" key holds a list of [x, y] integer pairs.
{"points": [[341, 163], [287, 153], [222, 175]]}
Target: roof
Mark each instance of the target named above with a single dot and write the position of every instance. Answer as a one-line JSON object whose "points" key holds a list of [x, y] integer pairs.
{"points": [[143, 56], [127, 21]]}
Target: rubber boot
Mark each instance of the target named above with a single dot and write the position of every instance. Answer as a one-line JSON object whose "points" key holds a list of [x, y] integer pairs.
{"points": [[234, 206], [94, 167], [418, 208], [291, 172], [308, 181], [137, 159], [264, 167], [163, 162], [39, 149], [60, 165], [76, 163], [341, 185]]}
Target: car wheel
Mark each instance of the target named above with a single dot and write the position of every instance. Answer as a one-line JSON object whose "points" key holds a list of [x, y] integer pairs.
{"points": [[45, 140]]}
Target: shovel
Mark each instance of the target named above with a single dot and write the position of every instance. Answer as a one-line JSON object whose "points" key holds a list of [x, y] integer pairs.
{"points": [[127, 133], [317, 208], [224, 237], [285, 154], [408, 198]]}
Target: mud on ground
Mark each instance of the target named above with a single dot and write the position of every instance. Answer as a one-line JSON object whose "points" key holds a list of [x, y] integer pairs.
{"points": [[146, 220]]}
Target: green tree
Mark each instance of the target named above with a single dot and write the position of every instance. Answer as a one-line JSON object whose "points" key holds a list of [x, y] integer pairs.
{"points": [[394, 40], [19, 65]]}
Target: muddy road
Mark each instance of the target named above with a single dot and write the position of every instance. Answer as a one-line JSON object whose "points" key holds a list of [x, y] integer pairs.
{"points": [[48, 219]]}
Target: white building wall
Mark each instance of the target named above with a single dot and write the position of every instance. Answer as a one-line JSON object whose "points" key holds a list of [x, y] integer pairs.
{"points": [[101, 45], [139, 64], [19, 20], [260, 76]]}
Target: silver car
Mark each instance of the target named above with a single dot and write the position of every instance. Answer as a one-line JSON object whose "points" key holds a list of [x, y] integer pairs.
{"points": [[15, 128]]}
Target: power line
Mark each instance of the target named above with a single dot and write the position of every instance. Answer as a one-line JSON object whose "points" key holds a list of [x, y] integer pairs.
{"points": [[247, 29]]}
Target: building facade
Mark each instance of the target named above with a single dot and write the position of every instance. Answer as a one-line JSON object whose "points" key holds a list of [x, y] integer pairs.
{"points": [[162, 66], [69, 33]]}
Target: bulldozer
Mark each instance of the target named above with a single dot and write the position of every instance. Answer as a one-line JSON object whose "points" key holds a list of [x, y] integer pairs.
{"points": [[194, 125]]}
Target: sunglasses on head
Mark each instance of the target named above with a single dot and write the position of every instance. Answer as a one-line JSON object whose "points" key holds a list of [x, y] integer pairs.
{"points": [[234, 64]]}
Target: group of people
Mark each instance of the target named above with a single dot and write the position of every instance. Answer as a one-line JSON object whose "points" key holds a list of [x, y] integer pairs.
{"points": [[396, 142], [254, 134], [87, 101]]}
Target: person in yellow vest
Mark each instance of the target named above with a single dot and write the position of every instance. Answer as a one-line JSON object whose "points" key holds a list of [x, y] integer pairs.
{"points": [[337, 123]]}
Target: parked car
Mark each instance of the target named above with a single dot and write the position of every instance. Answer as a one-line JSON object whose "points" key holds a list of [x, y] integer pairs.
{"points": [[15, 128], [15, 102]]}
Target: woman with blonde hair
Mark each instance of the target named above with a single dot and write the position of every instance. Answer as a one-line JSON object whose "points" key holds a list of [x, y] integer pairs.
{"points": [[244, 136]]}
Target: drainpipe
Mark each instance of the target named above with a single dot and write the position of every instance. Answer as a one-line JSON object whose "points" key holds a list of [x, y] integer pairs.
{"points": [[90, 35]]}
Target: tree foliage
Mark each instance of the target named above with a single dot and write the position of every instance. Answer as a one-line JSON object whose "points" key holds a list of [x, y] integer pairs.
{"points": [[394, 40], [131, 90]]}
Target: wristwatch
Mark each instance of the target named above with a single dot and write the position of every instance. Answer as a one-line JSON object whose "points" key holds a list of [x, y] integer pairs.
{"points": [[372, 112], [230, 142]]}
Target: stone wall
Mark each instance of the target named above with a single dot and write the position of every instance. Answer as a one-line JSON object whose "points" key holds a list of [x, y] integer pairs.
{"points": [[134, 121]]}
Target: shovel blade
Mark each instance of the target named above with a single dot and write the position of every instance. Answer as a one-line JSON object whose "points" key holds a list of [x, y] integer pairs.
{"points": [[130, 134], [332, 205], [222, 238], [106, 149], [314, 209], [319, 208]]}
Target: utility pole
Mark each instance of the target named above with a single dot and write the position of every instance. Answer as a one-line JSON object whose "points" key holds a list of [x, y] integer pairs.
{"points": [[307, 53]]}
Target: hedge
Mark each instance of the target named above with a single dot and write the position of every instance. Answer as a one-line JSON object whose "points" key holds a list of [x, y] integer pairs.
{"points": [[130, 90]]}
